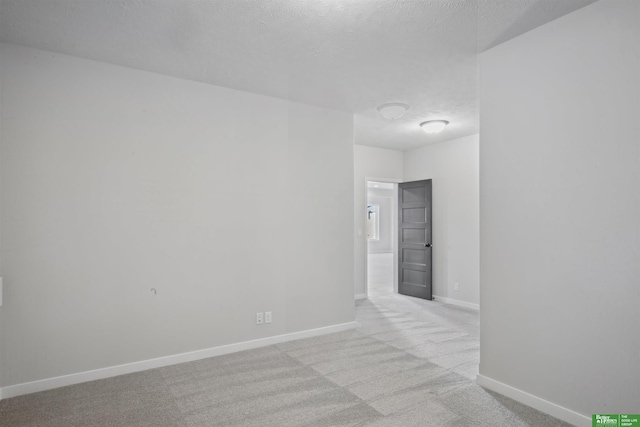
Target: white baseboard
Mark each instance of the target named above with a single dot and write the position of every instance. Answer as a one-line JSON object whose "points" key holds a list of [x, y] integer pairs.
{"points": [[456, 302], [112, 371], [360, 296], [535, 402]]}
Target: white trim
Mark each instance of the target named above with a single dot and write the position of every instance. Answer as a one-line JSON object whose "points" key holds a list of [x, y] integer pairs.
{"points": [[456, 302], [360, 296], [112, 371], [535, 402], [394, 237]]}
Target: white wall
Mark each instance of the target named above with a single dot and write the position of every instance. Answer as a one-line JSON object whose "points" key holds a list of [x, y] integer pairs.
{"points": [[384, 199], [115, 181], [369, 162], [453, 167], [560, 211]]}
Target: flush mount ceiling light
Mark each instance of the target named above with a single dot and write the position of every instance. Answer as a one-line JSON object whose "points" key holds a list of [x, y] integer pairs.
{"points": [[393, 110], [434, 126]]}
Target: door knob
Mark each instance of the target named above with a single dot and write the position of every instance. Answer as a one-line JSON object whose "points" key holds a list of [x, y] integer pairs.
{"points": [[427, 245]]}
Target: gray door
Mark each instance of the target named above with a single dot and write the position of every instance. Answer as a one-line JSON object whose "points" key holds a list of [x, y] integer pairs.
{"points": [[414, 239]]}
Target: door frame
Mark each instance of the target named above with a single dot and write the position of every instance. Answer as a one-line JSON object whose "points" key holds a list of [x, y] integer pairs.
{"points": [[394, 231]]}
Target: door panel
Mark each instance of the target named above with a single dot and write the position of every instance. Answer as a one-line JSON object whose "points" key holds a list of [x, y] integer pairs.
{"points": [[414, 215], [413, 236], [414, 239], [412, 194], [413, 277], [414, 256]]}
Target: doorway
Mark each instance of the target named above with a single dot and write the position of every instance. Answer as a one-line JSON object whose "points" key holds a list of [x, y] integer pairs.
{"points": [[381, 225], [398, 240]]}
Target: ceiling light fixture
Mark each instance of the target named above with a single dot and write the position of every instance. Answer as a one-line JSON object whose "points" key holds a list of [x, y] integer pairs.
{"points": [[393, 110], [434, 126]]}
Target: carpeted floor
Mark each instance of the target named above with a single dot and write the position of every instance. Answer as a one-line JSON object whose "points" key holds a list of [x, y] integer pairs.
{"points": [[409, 363]]}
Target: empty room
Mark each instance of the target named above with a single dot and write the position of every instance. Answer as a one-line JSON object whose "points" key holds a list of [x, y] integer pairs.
{"points": [[319, 213]]}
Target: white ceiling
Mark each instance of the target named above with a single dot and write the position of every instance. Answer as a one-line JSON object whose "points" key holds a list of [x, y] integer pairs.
{"points": [[350, 55]]}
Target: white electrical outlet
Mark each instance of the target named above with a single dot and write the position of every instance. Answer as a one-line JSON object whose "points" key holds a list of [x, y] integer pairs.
{"points": [[456, 286], [267, 317], [259, 318]]}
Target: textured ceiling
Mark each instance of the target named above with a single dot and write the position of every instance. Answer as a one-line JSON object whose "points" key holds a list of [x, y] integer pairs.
{"points": [[349, 55]]}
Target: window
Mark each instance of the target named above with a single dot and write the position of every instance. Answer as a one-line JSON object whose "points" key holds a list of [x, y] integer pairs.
{"points": [[373, 222]]}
